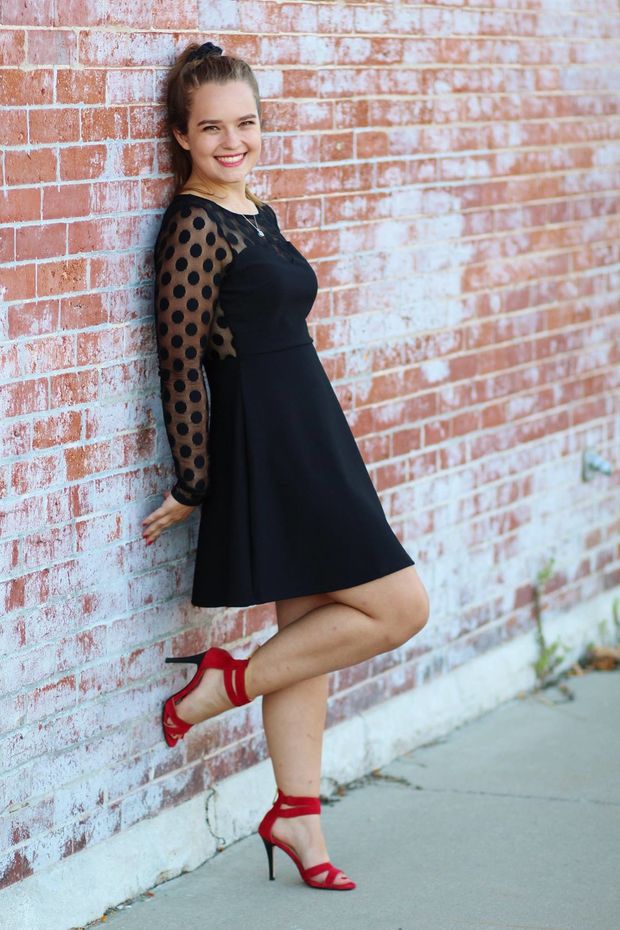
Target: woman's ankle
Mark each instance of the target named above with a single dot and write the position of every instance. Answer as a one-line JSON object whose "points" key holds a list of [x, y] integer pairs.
{"points": [[248, 681]]}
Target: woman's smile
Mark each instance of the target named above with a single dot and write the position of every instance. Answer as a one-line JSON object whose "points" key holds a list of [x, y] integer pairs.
{"points": [[229, 161]]}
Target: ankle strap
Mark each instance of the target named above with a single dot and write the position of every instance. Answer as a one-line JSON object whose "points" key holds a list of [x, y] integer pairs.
{"points": [[300, 804]]}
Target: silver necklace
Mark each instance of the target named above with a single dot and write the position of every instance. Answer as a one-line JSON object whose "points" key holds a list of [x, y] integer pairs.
{"points": [[255, 225]]}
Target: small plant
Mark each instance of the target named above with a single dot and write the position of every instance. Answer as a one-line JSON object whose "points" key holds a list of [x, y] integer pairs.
{"points": [[606, 635], [605, 655], [549, 654]]}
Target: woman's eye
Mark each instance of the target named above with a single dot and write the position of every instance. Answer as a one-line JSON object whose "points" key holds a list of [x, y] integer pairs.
{"points": [[246, 122]]}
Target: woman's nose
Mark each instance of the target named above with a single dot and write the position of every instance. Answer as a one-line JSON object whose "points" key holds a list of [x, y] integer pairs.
{"points": [[231, 141]]}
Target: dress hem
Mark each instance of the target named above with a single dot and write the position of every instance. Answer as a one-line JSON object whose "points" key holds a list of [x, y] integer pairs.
{"points": [[305, 593]]}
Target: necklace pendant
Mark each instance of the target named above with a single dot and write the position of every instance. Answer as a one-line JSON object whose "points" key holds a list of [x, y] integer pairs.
{"points": [[260, 232]]}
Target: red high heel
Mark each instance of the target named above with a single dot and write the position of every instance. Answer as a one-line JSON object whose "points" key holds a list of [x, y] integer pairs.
{"points": [[234, 680], [302, 805]]}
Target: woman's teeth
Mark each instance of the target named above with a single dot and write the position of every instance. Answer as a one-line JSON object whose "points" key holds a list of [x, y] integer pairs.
{"points": [[231, 162]]}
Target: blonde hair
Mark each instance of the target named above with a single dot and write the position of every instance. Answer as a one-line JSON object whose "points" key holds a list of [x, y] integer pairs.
{"points": [[183, 79]]}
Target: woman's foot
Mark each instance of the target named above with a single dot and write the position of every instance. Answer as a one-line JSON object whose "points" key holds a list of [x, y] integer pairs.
{"points": [[208, 698], [305, 837]]}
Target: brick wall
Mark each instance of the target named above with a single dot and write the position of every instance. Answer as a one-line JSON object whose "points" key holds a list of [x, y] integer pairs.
{"points": [[452, 171]]}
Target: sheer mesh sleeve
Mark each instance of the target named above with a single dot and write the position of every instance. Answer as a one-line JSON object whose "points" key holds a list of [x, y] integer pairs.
{"points": [[190, 256]]}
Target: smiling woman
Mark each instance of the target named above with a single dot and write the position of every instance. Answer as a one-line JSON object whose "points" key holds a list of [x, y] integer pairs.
{"points": [[227, 144], [260, 442], [214, 116]]}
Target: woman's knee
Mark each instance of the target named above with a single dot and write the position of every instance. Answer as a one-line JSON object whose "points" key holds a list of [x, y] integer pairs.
{"points": [[407, 613], [397, 603]]}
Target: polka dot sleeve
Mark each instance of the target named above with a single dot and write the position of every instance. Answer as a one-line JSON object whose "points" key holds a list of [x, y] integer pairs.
{"points": [[190, 257]]}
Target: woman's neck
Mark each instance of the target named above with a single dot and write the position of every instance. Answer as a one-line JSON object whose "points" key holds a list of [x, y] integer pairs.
{"points": [[228, 197]]}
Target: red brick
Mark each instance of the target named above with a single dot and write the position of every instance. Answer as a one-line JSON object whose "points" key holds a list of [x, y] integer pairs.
{"points": [[131, 86], [12, 46], [14, 440], [34, 166], [156, 192], [77, 387], [20, 205], [405, 440], [50, 354], [7, 246], [52, 47], [99, 347], [65, 200], [111, 267], [127, 49], [32, 319], [77, 162], [55, 277], [101, 123], [109, 196], [83, 310], [146, 122], [36, 473], [18, 13], [131, 13], [15, 125], [139, 445], [89, 459], [57, 430], [15, 866], [18, 282], [136, 158], [39, 242], [9, 361], [83, 86], [102, 234], [53, 124], [176, 14], [26, 88]]}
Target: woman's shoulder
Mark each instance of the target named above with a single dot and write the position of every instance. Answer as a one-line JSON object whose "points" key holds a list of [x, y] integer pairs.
{"points": [[188, 205], [188, 212], [183, 212]]}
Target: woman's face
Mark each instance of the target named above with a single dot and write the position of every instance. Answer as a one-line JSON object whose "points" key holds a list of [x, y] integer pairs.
{"points": [[223, 122]]}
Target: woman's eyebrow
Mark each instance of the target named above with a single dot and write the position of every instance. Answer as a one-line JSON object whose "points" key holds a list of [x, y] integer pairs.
{"points": [[247, 115]]}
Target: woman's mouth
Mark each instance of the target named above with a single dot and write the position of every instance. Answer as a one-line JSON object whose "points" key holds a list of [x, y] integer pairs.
{"points": [[230, 161]]}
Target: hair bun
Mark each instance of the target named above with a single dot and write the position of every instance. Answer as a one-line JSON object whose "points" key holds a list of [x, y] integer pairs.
{"points": [[206, 49]]}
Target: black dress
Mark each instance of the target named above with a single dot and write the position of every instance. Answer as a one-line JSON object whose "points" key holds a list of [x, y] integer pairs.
{"points": [[257, 434]]}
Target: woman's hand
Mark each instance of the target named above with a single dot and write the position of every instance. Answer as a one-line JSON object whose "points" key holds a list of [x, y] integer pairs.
{"points": [[169, 513]]}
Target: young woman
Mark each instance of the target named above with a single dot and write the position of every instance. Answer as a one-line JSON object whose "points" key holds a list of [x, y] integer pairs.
{"points": [[288, 510]]}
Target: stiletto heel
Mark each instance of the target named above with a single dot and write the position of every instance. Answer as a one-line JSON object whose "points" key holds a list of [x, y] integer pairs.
{"points": [[269, 848], [234, 681], [197, 658], [300, 806]]}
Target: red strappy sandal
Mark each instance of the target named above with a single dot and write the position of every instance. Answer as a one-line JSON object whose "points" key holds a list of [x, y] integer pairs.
{"points": [[234, 680], [302, 805]]}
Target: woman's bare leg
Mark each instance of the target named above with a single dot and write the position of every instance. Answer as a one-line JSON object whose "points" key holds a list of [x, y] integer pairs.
{"points": [[361, 622], [294, 721], [294, 716], [340, 628]]}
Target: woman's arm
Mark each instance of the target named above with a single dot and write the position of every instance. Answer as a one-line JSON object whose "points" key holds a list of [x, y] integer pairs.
{"points": [[190, 257]]}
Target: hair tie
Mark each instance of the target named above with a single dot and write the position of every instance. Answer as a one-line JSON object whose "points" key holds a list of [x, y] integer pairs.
{"points": [[205, 50]]}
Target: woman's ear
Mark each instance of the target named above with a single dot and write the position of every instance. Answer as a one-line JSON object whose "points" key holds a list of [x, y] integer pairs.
{"points": [[181, 138]]}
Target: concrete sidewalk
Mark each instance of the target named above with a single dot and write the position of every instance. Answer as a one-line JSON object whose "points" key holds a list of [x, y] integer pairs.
{"points": [[511, 821]]}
